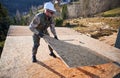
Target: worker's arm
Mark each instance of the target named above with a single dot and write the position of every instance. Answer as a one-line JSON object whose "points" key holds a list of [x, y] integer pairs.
{"points": [[35, 22], [52, 28]]}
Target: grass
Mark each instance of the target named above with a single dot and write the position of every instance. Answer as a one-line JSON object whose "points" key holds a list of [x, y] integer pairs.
{"points": [[112, 13], [95, 30], [2, 43], [1, 47]]}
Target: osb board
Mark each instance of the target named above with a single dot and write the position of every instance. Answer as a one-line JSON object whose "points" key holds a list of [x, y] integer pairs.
{"points": [[69, 35], [19, 31], [101, 48], [15, 61], [16, 30], [17, 55], [75, 55]]}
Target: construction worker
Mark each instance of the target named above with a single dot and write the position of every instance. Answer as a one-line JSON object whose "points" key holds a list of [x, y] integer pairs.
{"points": [[39, 26]]}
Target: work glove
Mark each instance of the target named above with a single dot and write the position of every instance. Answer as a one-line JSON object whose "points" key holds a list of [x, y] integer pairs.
{"points": [[41, 34], [56, 37]]}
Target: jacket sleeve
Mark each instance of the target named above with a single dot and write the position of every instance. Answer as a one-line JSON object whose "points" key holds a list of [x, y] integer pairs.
{"points": [[35, 22], [52, 28]]}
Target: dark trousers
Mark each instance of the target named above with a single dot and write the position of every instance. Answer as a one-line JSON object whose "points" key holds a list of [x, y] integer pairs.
{"points": [[36, 41], [117, 43]]}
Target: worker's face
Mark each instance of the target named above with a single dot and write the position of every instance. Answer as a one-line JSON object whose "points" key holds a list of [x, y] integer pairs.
{"points": [[50, 13]]}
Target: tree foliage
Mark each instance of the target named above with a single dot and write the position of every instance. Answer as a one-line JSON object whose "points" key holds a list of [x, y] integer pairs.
{"points": [[64, 12], [4, 24]]}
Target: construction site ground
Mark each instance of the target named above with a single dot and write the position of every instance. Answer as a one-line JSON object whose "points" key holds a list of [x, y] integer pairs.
{"points": [[16, 60]]}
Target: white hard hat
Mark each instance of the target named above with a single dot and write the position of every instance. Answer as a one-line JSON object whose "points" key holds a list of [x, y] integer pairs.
{"points": [[50, 6]]}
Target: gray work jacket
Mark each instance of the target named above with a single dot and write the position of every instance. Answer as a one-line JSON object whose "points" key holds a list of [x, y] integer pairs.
{"points": [[40, 23]]}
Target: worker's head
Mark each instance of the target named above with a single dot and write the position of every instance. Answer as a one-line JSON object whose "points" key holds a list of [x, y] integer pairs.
{"points": [[49, 9]]}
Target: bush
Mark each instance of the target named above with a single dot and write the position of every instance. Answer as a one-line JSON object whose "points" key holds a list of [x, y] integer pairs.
{"points": [[64, 12], [67, 24], [58, 22], [4, 25], [110, 15], [101, 33], [1, 51]]}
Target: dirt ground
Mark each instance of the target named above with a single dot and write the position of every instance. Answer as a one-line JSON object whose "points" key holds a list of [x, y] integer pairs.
{"points": [[109, 39]]}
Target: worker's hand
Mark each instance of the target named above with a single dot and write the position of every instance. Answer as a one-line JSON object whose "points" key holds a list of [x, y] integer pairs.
{"points": [[56, 37], [41, 34]]}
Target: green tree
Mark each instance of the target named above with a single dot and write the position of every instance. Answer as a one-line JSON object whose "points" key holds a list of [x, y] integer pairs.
{"points": [[23, 21], [4, 25]]}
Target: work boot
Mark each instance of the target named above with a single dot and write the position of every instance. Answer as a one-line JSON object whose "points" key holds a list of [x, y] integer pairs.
{"points": [[34, 58], [52, 54]]}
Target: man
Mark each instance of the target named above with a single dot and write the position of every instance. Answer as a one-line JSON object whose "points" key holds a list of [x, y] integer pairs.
{"points": [[117, 43], [39, 26]]}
